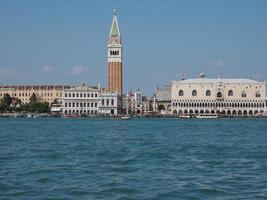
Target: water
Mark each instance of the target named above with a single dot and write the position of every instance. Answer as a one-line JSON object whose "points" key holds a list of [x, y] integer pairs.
{"points": [[135, 159]]}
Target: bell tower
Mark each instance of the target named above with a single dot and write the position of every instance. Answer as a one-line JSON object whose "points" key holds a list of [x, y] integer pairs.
{"points": [[115, 57]]}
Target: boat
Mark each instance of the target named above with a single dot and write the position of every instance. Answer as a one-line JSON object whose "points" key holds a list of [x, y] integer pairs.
{"points": [[207, 116], [185, 116], [126, 117]]}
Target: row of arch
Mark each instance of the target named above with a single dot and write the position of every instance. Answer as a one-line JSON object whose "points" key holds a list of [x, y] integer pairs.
{"points": [[219, 112], [219, 94], [220, 104]]}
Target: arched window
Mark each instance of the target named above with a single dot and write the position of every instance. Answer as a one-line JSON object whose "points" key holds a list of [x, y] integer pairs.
{"points": [[181, 93], [219, 94], [258, 94], [208, 93], [243, 94], [194, 93], [230, 93]]}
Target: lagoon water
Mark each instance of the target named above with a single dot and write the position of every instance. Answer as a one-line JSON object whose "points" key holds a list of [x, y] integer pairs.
{"points": [[134, 159]]}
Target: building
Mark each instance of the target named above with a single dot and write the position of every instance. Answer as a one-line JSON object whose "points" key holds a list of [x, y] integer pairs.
{"points": [[80, 100], [109, 103], [162, 102], [44, 93], [227, 97], [135, 103], [115, 58], [88, 100]]}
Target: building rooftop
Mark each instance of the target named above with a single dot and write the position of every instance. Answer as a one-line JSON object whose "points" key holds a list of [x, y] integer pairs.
{"points": [[223, 80]]}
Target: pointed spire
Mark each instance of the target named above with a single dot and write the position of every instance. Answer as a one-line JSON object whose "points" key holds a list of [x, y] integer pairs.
{"points": [[114, 30]]}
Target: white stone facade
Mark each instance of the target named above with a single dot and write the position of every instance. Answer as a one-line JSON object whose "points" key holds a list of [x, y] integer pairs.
{"points": [[228, 97], [109, 103], [80, 100]]}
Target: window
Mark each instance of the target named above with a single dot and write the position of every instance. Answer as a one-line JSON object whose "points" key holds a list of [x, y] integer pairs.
{"points": [[73, 105], [112, 102], [107, 102], [73, 94], [243, 94], [96, 95], [194, 93], [77, 95], [181, 93], [92, 105], [69, 94], [69, 104], [230, 93], [66, 105], [258, 94], [219, 94], [77, 105], [96, 105], [92, 95], [103, 102], [208, 93], [66, 95]]}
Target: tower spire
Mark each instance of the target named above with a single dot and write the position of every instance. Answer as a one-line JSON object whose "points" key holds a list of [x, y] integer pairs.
{"points": [[115, 29]]}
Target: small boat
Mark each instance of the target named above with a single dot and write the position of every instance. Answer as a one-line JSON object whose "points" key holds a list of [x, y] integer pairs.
{"points": [[207, 116], [185, 116], [126, 117]]}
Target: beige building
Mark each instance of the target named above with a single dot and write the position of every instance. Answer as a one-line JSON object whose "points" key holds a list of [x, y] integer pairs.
{"points": [[44, 93], [228, 97]]}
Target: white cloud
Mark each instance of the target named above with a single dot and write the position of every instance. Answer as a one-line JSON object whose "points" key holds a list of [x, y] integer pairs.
{"points": [[216, 63], [4, 72], [79, 70], [48, 69]]}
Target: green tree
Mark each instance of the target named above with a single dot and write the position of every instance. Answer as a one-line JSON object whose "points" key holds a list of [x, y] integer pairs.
{"points": [[16, 101], [7, 99], [55, 101], [33, 98], [3, 106]]}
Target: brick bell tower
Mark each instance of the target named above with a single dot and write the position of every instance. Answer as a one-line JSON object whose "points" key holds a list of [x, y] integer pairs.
{"points": [[115, 57]]}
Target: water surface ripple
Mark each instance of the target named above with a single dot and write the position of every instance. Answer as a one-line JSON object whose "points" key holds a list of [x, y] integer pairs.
{"points": [[135, 159]]}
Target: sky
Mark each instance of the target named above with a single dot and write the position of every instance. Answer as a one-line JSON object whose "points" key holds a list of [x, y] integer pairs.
{"points": [[65, 41]]}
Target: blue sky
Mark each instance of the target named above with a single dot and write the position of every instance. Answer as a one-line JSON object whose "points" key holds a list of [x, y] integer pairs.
{"points": [[65, 42]]}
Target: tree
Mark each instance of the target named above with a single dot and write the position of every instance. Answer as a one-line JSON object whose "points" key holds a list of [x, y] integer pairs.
{"points": [[3, 106], [55, 101], [33, 98], [7, 99], [16, 102]]}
